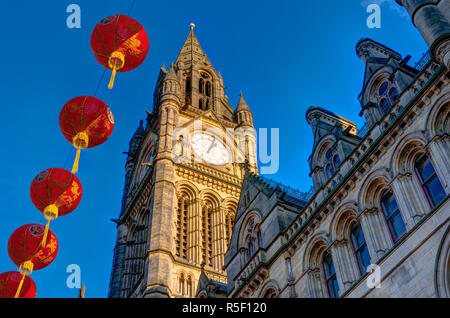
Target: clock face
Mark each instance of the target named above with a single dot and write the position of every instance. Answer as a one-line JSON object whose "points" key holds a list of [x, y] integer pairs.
{"points": [[210, 149]]}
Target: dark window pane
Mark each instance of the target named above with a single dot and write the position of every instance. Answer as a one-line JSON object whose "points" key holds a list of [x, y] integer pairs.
{"points": [[397, 225], [328, 266], [435, 190], [357, 237], [384, 105], [425, 168], [389, 204], [333, 286], [383, 88], [364, 258], [336, 161], [329, 154], [393, 94]]}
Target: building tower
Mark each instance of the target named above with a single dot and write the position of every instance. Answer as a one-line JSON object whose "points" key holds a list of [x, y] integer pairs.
{"points": [[432, 19], [184, 175]]}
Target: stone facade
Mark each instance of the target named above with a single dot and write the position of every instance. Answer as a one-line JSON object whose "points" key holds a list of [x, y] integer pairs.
{"points": [[374, 227]]}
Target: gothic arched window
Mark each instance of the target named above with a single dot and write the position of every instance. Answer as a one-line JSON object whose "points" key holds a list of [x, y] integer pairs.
{"points": [[332, 162], [393, 216], [387, 96], [181, 290], [429, 180], [360, 247], [189, 286], [205, 91], [330, 275]]}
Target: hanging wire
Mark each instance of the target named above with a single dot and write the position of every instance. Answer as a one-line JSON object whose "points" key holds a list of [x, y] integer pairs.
{"points": [[131, 8]]}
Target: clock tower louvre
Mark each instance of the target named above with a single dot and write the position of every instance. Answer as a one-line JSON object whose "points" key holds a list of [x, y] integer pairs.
{"points": [[183, 190]]}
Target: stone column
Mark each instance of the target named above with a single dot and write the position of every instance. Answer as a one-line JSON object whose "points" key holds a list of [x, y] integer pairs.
{"points": [[345, 263], [316, 287], [410, 199], [438, 150], [118, 266], [433, 24], [157, 281], [376, 233]]}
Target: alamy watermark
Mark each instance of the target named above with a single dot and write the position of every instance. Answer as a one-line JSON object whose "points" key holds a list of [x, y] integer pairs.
{"points": [[73, 21], [74, 279], [374, 278], [374, 19]]}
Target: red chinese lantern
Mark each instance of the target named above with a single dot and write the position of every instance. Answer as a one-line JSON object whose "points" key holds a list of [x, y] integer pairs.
{"points": [[25, 250], [119, 43], [9, 284], [55, 192], [86, 122]]}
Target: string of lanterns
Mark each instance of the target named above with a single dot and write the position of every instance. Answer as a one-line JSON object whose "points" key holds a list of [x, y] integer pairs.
{"points": [[120, 44]]}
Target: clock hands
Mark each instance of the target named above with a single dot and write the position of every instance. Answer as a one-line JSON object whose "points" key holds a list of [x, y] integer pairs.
{"points": [[213, 144]]}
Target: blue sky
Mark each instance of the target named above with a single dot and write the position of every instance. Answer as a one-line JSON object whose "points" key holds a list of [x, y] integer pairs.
{"points": [[285, 56]]}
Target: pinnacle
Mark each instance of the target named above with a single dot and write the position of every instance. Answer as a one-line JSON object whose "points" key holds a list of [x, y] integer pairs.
{"points": [[242, 103]]}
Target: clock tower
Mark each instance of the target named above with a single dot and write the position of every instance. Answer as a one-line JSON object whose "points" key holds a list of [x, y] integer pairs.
{"points": [[184, 173]]}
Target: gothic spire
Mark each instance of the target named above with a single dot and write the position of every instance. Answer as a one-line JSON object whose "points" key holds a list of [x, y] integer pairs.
{"points": [[191, 52]]}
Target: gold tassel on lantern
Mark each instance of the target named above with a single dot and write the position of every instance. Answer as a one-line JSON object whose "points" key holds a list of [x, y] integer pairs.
{"points": [[26, 268], [80, 141], [50, 213], [116, 62]]}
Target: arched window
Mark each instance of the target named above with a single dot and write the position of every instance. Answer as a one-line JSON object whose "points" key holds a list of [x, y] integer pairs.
{"points": [[387, 96], [393, 94], [181, 285], [392, 215], [430, 181], [360, 248], [330, 276], [332, 162], [205, 91], [189, 286]]}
